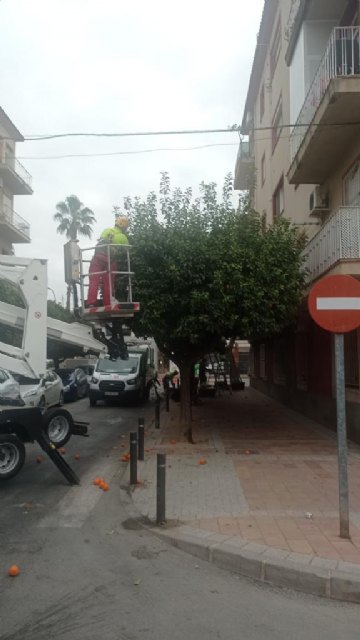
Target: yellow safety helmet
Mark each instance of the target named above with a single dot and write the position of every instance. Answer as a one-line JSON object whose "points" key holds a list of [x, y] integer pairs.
{"points": [[122, 222]]}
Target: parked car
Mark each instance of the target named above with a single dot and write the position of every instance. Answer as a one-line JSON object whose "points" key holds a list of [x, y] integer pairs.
{"points": [[9, 389], [75, 383], [42, 392]]}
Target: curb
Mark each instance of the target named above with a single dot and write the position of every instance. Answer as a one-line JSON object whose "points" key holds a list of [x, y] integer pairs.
{"points": [[336, 580], [308, 574]]}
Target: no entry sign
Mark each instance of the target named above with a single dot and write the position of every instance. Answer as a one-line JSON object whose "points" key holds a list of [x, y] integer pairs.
{"points": [[334, 303]]}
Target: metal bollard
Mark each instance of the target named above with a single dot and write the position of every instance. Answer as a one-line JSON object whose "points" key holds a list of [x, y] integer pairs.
{"points": [[157, 413], [167, 400], [133, 457], [160, 488], [141, 438]]}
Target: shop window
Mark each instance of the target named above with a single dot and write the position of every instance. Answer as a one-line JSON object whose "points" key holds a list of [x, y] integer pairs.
{"points": [[351, 360]]}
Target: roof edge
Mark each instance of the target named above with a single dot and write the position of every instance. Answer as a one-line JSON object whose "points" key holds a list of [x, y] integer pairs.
{"points": [[14, 133], [263, 41], [295, 30]]}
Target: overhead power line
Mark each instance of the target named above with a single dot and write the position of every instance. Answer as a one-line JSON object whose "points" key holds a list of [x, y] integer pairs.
{"points": [[175, 132], [126, 134], [132, 152]]}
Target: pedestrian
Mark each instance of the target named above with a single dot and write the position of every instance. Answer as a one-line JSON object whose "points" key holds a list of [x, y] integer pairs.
{"points": [[168, 379], [103, 264]]}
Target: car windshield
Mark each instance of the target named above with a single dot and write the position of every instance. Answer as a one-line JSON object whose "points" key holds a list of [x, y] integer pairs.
{"points": [[24, 380], [65, 374], [117, 366]]}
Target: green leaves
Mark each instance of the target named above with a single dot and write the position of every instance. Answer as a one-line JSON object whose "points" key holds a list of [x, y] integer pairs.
{"points": [[205, 269], [74, 218]]}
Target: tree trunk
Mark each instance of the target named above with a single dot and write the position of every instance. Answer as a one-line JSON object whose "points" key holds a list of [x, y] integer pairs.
{"points": [[234, 371], [185, 399]]}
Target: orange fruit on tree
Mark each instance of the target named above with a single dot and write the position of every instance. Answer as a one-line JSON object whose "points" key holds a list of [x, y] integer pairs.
{"points": [[13, 571], [104, 486], [97, 481], [202, 461]]}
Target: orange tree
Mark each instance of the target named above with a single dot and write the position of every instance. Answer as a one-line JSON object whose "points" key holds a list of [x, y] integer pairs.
{"points": [[206, 271]]}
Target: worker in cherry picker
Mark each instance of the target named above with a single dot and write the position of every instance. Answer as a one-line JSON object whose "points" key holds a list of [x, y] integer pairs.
{"points": [[103, 262]]}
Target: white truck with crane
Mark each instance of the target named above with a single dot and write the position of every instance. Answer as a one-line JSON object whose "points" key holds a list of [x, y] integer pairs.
{"points": [[99, 331]]}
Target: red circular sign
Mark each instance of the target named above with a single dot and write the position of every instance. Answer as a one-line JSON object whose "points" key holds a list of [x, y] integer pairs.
{"points": [[334, 303]]}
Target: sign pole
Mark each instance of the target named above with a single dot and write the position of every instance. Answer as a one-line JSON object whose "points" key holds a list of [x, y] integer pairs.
{"points": [[341, 436]]}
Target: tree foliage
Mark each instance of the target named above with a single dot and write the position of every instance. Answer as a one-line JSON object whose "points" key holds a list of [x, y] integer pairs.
{"points": [[57, 311], [74, 218], [206, 270]]}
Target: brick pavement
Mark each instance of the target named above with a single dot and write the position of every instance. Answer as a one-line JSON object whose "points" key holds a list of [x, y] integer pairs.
{"points": [[270, 477]]}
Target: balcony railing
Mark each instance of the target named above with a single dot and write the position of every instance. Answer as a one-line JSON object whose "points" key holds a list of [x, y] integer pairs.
{"points": [[341, 59], [338, 239], [10, 217], [18, 168], [244, 150]]}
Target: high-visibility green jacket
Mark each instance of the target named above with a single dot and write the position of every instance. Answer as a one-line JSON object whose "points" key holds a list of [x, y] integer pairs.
{"points": [[112, 235]]}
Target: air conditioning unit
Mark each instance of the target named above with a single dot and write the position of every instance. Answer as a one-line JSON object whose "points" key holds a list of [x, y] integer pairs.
{"points": [[318, 202]]}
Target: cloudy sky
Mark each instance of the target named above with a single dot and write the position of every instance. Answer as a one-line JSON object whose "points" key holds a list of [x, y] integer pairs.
{"points": [[115, 66]]}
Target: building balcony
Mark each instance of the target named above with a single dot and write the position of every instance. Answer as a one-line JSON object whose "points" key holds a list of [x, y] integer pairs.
{"points": [[330, 114], [15, 176], [245, 167], [335, 248], [13, 227]]}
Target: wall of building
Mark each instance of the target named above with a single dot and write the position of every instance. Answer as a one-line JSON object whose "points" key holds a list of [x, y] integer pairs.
{"points": [[277, 160], [335, 184]]}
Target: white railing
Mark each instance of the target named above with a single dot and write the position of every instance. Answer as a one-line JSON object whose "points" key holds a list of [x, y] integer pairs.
{"points": [[10, 217], [18, 168], [341, 59], [338, 239]]}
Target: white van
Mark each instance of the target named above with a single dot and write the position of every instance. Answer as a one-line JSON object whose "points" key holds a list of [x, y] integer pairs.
{"points": [[120, 379]]}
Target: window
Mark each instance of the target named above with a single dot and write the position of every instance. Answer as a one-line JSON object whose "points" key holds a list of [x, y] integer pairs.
{"points": [[278, 200], [262, 101], [263, 170], [351, 360], [352, 186], [277, 124], [275, 48]]}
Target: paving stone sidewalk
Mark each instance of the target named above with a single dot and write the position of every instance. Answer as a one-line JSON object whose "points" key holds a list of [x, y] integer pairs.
{"points": [[270, 478]]}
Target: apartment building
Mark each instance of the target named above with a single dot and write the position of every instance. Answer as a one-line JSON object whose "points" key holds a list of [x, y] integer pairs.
{"points": [[300, 157], [14, 180]]}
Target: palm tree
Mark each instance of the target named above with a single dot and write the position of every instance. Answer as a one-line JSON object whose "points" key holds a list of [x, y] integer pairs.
{"points": [[73, 219]]}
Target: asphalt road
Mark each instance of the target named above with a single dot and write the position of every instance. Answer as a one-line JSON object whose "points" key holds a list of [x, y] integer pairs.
{"points": [[88, 572]]}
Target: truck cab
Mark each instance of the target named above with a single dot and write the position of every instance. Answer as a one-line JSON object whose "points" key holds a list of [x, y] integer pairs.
{"points": [[122, 379]]}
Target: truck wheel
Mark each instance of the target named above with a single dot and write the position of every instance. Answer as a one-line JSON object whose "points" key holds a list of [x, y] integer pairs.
{"points": [[58, 424], [12, 456]]}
